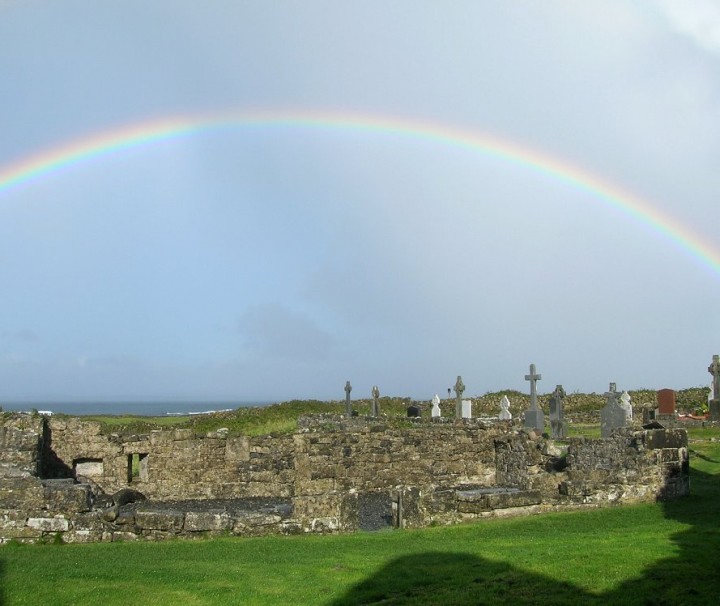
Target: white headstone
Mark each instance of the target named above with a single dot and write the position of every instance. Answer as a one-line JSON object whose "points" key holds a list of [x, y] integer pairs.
{"points": [[467, 409], [435, 412], [505, 414], [625, 402]]}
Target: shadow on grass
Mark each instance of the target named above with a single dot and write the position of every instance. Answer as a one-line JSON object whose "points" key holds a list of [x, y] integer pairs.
{"points": [[2, 582], [691, 577]]}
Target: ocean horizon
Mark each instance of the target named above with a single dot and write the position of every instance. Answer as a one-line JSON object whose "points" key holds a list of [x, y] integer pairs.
{"points": [[150, 408]]}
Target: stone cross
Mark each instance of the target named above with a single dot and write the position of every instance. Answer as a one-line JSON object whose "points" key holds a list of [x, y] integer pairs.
{"points": [[613, 415], [375, 405], [459, 389], [534, 418], [714, 370], [557, 417], [348, 405], [533, 378], [435, 412], [611, 393]]}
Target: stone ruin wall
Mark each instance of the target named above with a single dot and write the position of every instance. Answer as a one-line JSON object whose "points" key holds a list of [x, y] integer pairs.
{"points": [[331, 475]]}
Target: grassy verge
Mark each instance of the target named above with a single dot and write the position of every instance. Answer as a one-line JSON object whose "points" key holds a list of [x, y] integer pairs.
{"points": [[646, 554]]}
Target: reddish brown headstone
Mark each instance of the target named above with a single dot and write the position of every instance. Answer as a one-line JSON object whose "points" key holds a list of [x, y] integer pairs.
{"points": [[666, 402]]}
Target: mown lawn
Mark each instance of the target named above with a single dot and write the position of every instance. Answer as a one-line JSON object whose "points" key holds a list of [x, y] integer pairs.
{"points": [[647, 554]]}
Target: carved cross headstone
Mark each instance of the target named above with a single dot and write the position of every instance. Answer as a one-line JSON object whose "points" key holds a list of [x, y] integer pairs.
{"points": [[613, 415], [435, 412], [505, 414], [714, 370], [375, 405], [714, 403], [557, 416], [348, 405], [534, 418], [533, 377], [459, 389]]}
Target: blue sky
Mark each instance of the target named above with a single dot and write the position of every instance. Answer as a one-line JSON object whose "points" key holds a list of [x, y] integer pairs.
{"points": [[277, 263]]}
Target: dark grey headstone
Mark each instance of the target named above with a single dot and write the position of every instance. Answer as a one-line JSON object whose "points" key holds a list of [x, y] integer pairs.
{"points": [[413, 411], [612, 417]]}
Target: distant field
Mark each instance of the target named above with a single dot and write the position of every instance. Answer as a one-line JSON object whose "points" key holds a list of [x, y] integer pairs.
{"points": [[658, 554]]}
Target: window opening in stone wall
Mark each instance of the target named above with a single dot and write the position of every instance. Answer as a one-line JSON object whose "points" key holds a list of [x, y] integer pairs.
{"points": [[88, 467], [137, 467]]}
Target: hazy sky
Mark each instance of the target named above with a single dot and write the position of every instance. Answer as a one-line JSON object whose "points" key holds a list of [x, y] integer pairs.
{"points": [[280, 261]]}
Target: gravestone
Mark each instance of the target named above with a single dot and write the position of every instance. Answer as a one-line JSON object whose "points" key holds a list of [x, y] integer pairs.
{"points": [[613, 415], [348, 405], [467, 409], [375, 405], [714, 405], [626, 403], [459, 389], [666, 404], [413, 410], [505, 414], [534, 418], [435, 412], [558, 424]]}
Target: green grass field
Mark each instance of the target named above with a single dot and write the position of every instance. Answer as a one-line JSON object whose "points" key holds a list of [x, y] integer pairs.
{"points": [[663, 553]]}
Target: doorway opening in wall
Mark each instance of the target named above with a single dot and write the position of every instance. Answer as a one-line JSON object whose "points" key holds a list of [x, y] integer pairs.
{"points": [[137, 470]]}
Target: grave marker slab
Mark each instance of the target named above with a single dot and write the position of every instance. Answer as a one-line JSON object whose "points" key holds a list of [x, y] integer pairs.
{"points": [[375, 405], [435, 412], [505, 414], [459, 389], [413, 410], [348, 405], [666, 402], [613, 415], [626, 403], [557, 415], [467, 409], [714, 405]]}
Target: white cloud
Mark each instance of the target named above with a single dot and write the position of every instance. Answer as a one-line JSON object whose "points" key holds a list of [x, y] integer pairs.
{"points": [[699, 20]]}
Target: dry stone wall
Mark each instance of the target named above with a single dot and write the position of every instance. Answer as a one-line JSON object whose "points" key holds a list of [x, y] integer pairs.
{"points": [[66, 476]]}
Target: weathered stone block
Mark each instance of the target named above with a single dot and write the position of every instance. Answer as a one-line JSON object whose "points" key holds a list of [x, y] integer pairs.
{"points": [[56, 524], [82, 536], [67, 497], [160, 520], [503, 500], [198, 521], [666, 438], [122, 536]]}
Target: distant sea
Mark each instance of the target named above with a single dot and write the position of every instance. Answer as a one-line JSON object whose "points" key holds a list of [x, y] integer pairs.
{"points": [[150, 409]]}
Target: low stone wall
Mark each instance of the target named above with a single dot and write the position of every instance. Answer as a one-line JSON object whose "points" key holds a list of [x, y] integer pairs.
{"points": [[172, 464], [333, 475]]}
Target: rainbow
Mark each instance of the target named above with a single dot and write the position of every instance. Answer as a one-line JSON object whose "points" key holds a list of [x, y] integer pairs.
{"points": [[137, 135]]}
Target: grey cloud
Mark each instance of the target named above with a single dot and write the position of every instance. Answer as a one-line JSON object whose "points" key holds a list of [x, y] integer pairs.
{"points": [[275, 331], [24, 334]]}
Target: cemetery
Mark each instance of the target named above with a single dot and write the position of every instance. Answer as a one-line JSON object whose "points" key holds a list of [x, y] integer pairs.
{"points": [[336, 472]]}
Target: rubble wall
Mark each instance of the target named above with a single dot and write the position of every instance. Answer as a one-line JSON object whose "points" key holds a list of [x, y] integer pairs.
{"points": [[333, 474]]}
